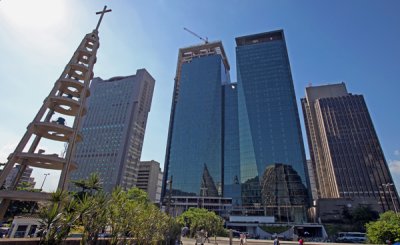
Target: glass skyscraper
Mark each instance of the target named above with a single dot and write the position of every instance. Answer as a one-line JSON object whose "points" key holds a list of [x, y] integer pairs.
{"points": [[241, 140], [232, 187], [272, 160], [194, 154]]}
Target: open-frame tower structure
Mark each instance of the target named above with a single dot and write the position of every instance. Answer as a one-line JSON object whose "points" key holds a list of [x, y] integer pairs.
{"points": [[67, 98]]}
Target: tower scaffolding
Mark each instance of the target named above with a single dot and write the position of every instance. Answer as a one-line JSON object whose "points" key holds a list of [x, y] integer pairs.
{"points": [[67, 97]]}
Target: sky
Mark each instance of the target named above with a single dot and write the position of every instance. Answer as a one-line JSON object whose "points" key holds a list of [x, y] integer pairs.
{"points": [[355, 42]]}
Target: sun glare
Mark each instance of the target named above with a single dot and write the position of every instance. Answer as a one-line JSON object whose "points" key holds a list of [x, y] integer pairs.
{"points": [[40, 14]]}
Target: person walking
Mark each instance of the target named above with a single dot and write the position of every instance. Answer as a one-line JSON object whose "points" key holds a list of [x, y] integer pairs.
{"points": [[206, 237], [276, 241], [241, 239], [301, 241]]}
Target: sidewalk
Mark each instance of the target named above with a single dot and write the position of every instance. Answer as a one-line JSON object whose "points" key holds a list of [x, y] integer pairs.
{"points": [[236, 241]]}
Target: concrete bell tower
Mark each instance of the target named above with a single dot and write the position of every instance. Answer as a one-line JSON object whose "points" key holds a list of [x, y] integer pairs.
{"points": [[67, 98]]}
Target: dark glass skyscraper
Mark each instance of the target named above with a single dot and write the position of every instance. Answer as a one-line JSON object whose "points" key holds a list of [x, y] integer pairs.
{"points": [[271, 145], [194, 154], [232, 187], [238, 140]]}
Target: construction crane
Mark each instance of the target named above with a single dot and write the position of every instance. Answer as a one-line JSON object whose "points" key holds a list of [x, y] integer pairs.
{"points": [[204, 39]]}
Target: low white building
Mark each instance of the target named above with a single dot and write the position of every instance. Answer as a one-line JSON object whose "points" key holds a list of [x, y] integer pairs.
{"points": [[24, 226]]}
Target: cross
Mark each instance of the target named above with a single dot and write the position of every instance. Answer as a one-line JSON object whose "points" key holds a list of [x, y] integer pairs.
{"points": [[105, 10]]}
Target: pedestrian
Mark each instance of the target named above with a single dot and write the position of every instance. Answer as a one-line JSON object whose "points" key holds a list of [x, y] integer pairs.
{"points": [[276, 241], [206, 235], [301, 241], [241, 238]]}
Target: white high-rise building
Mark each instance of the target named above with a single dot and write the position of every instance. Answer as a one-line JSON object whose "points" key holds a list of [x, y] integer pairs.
{"points": [[150, 179], [113, 129], [25, 178]]}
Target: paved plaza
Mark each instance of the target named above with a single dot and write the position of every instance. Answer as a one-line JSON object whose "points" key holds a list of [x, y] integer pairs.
{"points": [[236, 241]]}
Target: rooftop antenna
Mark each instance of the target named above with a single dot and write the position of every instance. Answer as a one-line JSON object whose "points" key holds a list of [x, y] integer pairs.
{"points": [[201, 38]]}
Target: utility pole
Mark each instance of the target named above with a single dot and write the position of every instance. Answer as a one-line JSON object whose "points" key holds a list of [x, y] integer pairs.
{"points": [[387, 186], [203, 194]]}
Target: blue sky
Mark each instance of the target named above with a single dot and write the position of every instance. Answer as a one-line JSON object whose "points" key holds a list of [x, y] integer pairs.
{"points": [[328, 41]]}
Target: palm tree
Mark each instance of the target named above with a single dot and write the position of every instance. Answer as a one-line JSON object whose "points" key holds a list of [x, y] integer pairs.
{"points": [[49, 222], [57, 218], [80, 184], [93, 183], [59, 196]]}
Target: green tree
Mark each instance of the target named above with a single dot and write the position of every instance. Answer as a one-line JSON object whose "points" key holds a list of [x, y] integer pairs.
{"points": [[138, 195], [94, 183], [117, 214], [90, 185], [150, 224], [130, 216], [387, 227], [92, 208], [92, 213], [134, 220], [362, 215], [200, 218], [125, 214], [57, 218]]}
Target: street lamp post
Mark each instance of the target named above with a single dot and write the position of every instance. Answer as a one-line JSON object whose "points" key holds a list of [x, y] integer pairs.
{"points": [[203, 191], [387, 186], [45, 176], [169, 195]]}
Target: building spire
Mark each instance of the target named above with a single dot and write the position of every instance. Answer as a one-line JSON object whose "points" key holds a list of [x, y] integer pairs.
{"points": [[105, 10]]}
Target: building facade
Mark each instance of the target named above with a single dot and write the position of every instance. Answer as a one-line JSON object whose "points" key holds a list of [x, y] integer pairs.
{"points": [[25, 178], [347, 159], [149, 179], [114, 128], [271, 144], [231, 146], [194, 155], [230, 140]]}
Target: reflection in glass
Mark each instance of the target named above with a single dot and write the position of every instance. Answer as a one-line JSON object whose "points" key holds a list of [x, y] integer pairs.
{"points": [[283, 193], [208, 187]]}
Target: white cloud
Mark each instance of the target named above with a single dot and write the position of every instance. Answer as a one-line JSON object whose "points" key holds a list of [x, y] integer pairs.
{"points": [[394, 166], [8, 142]]}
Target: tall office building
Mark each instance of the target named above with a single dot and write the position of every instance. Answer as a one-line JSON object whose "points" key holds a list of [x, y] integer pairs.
{"points": [[114, 128], [241, 141], [149, 179], [25, 178], [194, 154], [273, 172], [347, 158], [231, 146]]}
